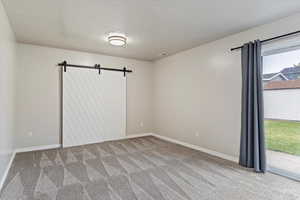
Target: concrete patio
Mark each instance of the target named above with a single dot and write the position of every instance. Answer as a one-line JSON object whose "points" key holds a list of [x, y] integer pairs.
{"points": [[283, 161]]}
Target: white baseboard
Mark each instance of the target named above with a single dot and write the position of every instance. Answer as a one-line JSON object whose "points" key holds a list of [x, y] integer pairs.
{"points": [[54, 146], [205, 150], [208, 151], [7, 170], [37, 148], [138, 135]]}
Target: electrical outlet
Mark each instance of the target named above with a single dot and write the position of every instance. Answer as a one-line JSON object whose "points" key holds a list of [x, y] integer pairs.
{"points": [[197, 134], [30, 134], [141, 124]]}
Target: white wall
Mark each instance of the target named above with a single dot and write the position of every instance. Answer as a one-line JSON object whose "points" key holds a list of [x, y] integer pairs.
{"points": [[193, 96], [282, 104], [38, 92], [7, 74], [197, 92]]}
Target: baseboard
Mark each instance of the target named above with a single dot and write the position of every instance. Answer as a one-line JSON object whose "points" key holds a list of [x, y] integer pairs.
{"points": [[205, 150], [7, 170], [138, 135], [208, 151], [37, 148], [54, 146]]}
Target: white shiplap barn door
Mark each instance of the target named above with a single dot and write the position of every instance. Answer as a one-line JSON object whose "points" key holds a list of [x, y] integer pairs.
{"points": [[94, 106]]}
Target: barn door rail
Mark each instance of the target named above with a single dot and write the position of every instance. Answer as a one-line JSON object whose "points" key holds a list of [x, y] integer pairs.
{"points": [[98, 67]]}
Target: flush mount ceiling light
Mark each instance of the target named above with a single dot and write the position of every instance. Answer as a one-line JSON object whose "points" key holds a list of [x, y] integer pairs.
{"points": [[117, 39], [164, 54]]}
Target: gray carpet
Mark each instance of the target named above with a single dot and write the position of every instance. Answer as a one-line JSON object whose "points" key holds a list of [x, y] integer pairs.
{"points": [[143, 168]]}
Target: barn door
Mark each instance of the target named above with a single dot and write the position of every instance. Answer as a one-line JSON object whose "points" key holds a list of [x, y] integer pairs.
{"points": [[93, 106]]}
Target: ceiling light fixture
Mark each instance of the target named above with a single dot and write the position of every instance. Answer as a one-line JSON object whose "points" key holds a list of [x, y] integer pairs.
{"points": [[117, 39], [164, 54]]}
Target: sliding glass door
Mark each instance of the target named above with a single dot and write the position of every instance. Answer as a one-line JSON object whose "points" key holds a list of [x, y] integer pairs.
{"points": [[281, 79]]}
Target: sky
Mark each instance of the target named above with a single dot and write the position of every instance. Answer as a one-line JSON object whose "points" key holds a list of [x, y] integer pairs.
{"points": [[275, 63]]}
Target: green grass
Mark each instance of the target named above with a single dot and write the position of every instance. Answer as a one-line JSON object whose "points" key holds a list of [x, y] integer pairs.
{"points": [[283, 136]]}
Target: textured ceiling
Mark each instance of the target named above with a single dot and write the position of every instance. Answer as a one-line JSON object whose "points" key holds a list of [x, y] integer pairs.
{"points": [[153, 26]]}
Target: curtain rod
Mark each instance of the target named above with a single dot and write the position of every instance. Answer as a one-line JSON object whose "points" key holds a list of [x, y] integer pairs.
{"points": [[273, 38], [98, 67]]}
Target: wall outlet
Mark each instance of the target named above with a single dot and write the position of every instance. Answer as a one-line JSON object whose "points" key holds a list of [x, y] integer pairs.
{"points": [[30, 134], [197, 134], [141, 124]]}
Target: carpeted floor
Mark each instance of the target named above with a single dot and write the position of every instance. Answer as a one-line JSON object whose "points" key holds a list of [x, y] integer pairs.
{"points": [[143, 168]]}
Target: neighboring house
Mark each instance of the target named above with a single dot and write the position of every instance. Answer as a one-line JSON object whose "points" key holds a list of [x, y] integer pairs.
{"points": [[292, 73], [289, 73], [274, 77], [280, 85]]}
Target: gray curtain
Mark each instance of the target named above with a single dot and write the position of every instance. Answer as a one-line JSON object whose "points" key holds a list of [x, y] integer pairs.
{"points": [[252, 146]]}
